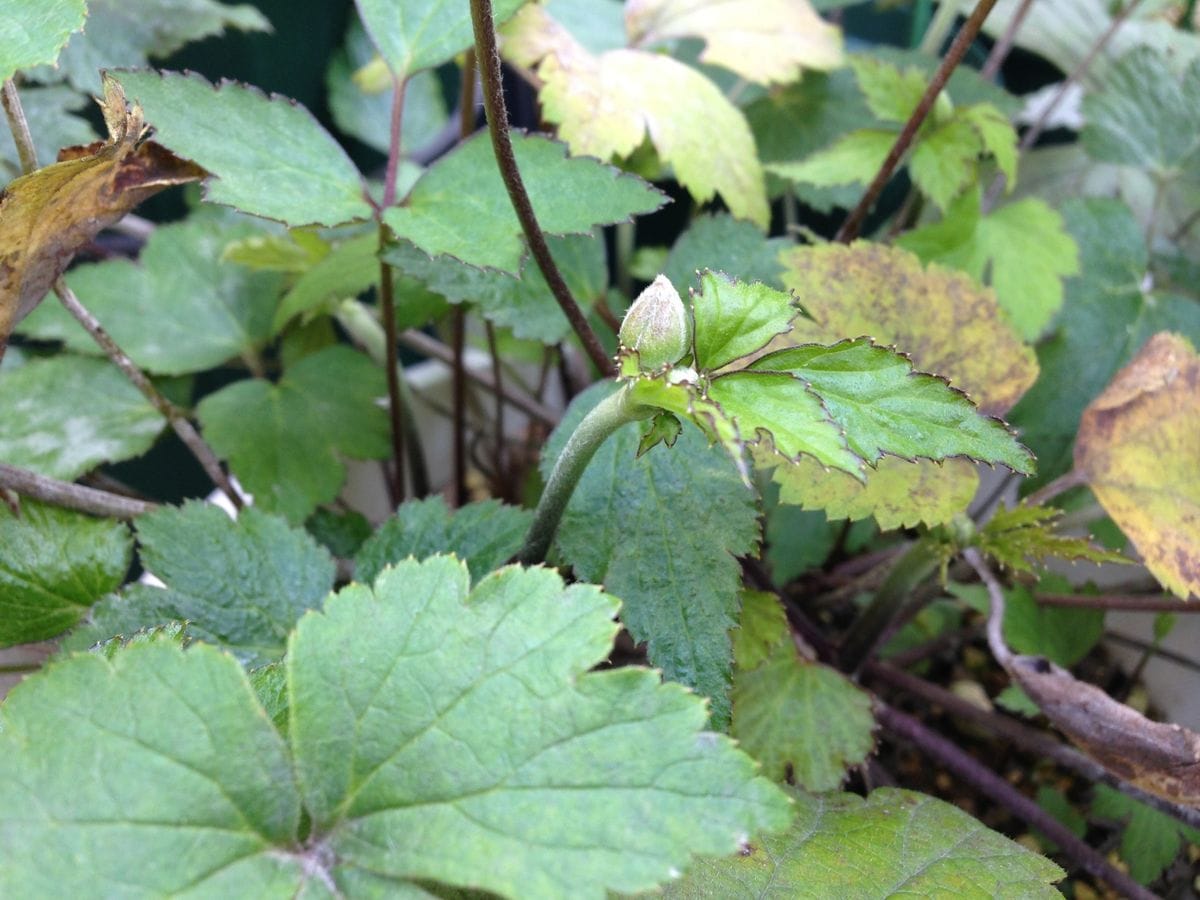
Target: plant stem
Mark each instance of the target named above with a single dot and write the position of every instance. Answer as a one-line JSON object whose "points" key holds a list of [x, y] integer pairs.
{"points": [[391, 366], [606, 417], [934, 34], [850, 228], [1060, 485], [498, 411], [1129, 602], [399, 86], [909, 572], [995, 619], [991, 785], [26, 153], [71, 496], [991, 67], [497, 116], [179, 422]]}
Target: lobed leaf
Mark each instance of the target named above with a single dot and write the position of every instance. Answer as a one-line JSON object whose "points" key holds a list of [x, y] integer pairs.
{"points": [[725, 244], [348, 269], [1014, 537]]}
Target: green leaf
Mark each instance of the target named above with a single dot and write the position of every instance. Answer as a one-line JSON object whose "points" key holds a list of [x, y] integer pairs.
{"points": [[484, 535], [724, 244], [1062, 634], [892, 843], [1106, 318], [798, 540], [587, 794], [283, 440], [800, 719], [1150, 841], [662, 531], [269, 156], [31, 36], [944, 160], [55, 565], [524, 304], [1015, 537], [197, 793], [461, 208], [883, 406], [998, 136], [341, 533], [418, 34], [852, 159], [65, 415], [344, 272], [48, 110], [1017, 701], [1145, 115], [178, 309], [242, 584], [735, 319], [1024, 246], [891, 92]]}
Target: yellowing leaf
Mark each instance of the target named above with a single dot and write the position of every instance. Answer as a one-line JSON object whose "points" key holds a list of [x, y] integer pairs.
{"points": [[764, 41], [1139, 448], [606, 105], [47, 215]]}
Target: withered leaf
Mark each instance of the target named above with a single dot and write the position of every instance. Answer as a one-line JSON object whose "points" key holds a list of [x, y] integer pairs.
{"points": [[1162, 759], [47, 215]]}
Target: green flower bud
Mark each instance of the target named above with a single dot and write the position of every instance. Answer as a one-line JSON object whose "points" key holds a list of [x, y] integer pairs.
{"points": [[657, 327]]}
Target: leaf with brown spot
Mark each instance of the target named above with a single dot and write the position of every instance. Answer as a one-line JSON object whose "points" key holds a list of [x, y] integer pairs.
{"points": [[1161, 758], [47, 215], [1139, 448]]}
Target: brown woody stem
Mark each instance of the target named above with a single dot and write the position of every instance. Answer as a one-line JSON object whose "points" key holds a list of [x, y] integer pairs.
{"points": [[71, 496]]}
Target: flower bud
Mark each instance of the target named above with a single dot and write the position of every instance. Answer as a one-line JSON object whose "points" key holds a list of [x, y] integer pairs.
{"points": [[657, 327]]}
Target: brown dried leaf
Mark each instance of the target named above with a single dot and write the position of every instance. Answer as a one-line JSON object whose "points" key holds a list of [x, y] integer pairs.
{"points": [[1139, 448], [1162, 759], [47, 215]]}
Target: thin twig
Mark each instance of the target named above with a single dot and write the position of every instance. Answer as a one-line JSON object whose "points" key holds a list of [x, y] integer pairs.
{"points": [[1162, 652], [991, 785], [995, 620], [498, 412], [458, 378], [1003, 46], [497, 115], [1060, 485], [71, 496], [1129, 602], [179, 422], [17, 123], [391, 366], [850, 228]]}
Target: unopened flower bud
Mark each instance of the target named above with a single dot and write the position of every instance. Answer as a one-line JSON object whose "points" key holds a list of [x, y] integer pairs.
{"points": [[657, 327]]}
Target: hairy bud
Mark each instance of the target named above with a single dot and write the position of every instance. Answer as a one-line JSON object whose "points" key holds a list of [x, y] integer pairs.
{"points": [[657, 327]]}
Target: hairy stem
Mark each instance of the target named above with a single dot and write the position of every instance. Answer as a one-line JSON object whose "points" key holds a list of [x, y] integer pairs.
{"points": [[853, 224], [497, 115], [597, 426], [71, 496]]}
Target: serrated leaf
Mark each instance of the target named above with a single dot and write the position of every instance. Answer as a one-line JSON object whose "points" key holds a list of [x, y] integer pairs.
{"points": [[54, 565], [884, 406], [1060, 633], [1015, 537], [269, 157], [797, 540], [800, 719], [891, 92], [608, 104], [734, 319], [525, 304], [661, 531], [418, 34], [1145, 115], [48, 110], [1106, 318], [998, 136], [1138, 449], [343, 273], [283, 440], [341, 533], [484, 535], [1150, 840], [1023, 249], [724, 244], [30, 37], [899, 842], [65, 415], [764, 41], [197, 793], [461, 208], [177, 309], [241, 584], [853, 158], [943, 161], [448, 791]]}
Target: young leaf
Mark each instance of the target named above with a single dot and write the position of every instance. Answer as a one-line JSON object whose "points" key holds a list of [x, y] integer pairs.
{"points": [[484, 535], [1023, 246], [854, 158], [31, 36], [800, 719], [891, 92], [419, 34], [734, 319], [269, 156], [178, 309], [55, 565], [725, 244], [764, 41], [606, 105], [64, 415], [461, 208], [661, 531], [943, 161], [1150, 840], [1137, 447], [899, 842], [242, 584], [283, 439], [197, 792], [344, 272], [1015, 537], [411, 768], [1059, 633]]}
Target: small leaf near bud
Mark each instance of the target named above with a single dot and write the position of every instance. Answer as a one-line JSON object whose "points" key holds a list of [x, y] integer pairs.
{"points": [[664, 428], [657, 329]]}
